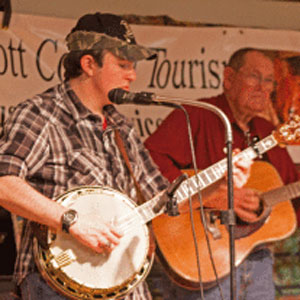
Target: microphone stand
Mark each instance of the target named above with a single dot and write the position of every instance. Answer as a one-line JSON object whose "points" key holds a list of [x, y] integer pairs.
{"points": [[230, 214], [119, 96]]}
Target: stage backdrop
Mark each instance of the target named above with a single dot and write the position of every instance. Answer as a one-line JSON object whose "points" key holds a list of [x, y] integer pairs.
{"points": [[189, 64]]}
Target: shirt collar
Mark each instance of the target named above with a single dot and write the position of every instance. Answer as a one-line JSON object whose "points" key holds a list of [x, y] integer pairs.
{"points": [[80, 112], [73, 103]]}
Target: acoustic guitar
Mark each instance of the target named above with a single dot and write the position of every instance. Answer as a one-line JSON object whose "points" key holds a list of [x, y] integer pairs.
{"points": [[176, 249], [174, 236]]}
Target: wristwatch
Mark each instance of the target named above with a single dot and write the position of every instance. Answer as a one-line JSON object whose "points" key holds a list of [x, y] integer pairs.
{"points": [[68, 218]]}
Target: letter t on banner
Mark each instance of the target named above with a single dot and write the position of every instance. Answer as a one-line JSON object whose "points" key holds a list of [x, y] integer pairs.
{"points": [[5, 6]]}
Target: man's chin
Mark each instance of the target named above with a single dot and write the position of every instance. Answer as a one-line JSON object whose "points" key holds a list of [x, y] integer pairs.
{"points": [[258, 105]]}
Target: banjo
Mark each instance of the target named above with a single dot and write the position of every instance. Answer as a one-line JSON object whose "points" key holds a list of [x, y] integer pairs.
{"points": [[80, 273]]}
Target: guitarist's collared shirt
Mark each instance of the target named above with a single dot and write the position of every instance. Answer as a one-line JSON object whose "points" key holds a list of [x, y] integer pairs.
{"points": [[170, 149], [55, 143]]}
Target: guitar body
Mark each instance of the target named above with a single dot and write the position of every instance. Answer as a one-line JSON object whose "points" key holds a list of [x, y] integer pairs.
{"points": [[176, 250]]}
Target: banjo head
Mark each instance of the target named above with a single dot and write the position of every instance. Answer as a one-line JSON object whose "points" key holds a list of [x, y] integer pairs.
{"points": [[81, 273]]}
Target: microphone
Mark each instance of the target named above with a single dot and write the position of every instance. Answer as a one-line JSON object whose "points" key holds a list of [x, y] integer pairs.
{"points": [[120, 96]]}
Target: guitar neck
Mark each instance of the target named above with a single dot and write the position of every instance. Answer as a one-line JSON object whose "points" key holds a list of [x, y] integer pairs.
{"points": [[215, 172], [206, 177]]}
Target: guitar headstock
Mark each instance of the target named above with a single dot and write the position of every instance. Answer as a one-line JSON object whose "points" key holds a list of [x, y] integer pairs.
{"points": [[288, 133]]}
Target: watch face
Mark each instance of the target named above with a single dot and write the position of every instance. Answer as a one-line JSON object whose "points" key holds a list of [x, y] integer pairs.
{"points": [[70, 216]]}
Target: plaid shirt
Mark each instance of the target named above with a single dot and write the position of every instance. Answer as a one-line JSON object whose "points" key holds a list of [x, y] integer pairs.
{"points": [[55, 143]]}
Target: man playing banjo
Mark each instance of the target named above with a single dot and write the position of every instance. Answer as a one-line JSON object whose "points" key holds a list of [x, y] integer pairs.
{"points": [[64, 138]]}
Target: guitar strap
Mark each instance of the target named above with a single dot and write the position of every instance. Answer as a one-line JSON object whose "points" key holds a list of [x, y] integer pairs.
{"points": [[120, 143]]}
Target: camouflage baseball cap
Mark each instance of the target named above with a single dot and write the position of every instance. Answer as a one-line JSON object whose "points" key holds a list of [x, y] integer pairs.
{"points": [[107, 31]]}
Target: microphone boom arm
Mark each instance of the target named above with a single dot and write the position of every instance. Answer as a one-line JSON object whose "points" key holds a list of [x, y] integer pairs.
{"points": [[120, 96], [213, 108]]}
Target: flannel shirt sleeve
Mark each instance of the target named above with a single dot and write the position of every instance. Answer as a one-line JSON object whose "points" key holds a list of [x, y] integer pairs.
{"points": [[23, 143]]}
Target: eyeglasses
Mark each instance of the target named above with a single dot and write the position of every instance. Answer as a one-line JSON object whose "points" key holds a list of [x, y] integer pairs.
{"points": [[254, 79]]}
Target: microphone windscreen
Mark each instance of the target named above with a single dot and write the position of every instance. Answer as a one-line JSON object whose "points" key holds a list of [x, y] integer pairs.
{"points": [[117, 95]]}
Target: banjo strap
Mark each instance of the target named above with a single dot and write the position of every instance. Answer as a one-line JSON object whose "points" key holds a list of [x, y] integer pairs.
{"points": [[140, 198]]}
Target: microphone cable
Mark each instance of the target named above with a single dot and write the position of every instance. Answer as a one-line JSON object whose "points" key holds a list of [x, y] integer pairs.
{"points": [[202, 214]]}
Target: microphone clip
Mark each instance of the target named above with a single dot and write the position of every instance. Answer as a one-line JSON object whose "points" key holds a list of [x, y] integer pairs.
{"points": [[168, 199]]}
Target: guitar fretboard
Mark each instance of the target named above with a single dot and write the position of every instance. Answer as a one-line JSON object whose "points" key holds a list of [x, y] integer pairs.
{"points": [[215, 172]]}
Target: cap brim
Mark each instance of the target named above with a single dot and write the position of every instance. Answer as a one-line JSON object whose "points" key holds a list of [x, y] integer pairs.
{"points": [[134, 52]]}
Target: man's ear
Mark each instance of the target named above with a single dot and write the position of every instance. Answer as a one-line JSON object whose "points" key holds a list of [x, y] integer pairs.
{"points": [[87, 63], [228, 79]]}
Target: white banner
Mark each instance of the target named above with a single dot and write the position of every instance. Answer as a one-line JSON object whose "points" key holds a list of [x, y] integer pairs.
{"points": [[190, 61]]}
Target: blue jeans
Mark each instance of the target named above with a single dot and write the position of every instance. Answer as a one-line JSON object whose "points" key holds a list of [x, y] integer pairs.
{"points": [[34, 287], [254, 281]]}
